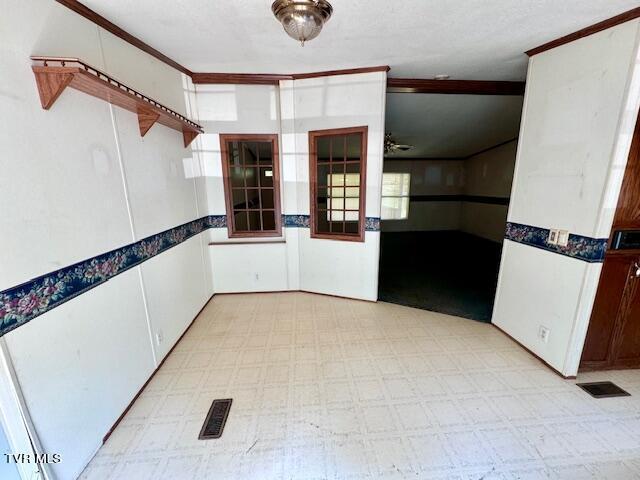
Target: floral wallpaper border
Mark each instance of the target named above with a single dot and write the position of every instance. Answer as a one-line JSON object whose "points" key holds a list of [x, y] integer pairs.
{"points": [[587, 249], [371, 224], [22, 303]]}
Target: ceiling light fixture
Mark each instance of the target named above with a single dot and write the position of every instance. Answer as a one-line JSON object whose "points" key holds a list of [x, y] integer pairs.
{"points": [[302, 19]]}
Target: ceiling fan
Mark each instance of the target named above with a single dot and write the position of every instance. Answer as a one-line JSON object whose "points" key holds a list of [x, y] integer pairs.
{"points": [[391, 146]]}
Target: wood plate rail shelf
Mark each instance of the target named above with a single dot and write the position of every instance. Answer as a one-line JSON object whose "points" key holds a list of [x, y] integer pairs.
{"points": [[54, 74]]}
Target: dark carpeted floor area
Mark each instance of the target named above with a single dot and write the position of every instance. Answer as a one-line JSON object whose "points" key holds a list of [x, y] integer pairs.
{"points": [[450, 272]]}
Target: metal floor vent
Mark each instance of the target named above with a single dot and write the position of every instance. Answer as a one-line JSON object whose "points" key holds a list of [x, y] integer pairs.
{"points": [[216, 418], [603, 389]]}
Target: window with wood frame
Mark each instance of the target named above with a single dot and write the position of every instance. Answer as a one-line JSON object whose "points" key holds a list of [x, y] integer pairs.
{"points": [[337, 177], [251, 184]]}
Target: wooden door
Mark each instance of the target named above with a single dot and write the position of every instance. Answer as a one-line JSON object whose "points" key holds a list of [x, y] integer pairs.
{"points": [[613, 337], [626, 340]]}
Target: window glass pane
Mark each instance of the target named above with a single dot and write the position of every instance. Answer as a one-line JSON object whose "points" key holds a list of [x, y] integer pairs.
{"points": [[336, 203], [322, 221], [336, 192], [353, 146], [254, 220], [250, 152], [395, 184], [266, 177], [337, 227], [351, 227], [241, 221], [395, 196], [322, 148], [352, 203], [340, 182], [395, 208], [322, 198], [237, 176], [336, 215], [264, 150], [253, 198], [352, 179], [323, 175], [251, 185], [267, 197], [239, 200], [337, 148], [352, 192], [251, 175], [268, 220], [352, 168]]}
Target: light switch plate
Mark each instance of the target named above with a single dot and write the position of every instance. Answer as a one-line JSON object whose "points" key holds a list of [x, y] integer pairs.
{"points": [[553, 237], [563, 238]]}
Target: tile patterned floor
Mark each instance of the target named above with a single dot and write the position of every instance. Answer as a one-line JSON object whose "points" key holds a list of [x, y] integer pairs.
{"points": [[326, 388]]}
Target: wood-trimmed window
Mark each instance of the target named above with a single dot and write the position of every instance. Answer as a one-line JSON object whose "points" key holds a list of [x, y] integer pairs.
{"points": [[251, 185], [337, 178]]}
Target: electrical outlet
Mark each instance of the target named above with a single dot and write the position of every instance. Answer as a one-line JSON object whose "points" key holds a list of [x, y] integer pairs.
{"points": [[159, 337], [563, 238], [553, 236], [257, 275], [543, 333]]}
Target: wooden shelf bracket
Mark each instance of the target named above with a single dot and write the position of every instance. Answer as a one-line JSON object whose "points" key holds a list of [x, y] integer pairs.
{"points": [[54, 74]]}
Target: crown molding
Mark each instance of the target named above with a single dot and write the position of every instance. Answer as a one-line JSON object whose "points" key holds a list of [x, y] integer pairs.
{"points": [[101, 21], [585, 32], [275, 78], [239, 78], [458, 87]]}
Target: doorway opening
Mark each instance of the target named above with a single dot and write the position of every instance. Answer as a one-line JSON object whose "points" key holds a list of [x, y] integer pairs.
{"points": [[448, 170]]}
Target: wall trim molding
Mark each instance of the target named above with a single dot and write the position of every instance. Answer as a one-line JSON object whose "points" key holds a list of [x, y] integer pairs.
{"points": [[22, 303], [454, 87], [200, 78], [585, 32], [111, 27], [587, 249]]}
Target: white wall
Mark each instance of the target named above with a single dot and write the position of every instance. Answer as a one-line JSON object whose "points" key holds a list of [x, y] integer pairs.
{"points": [[328, 266], [291, 110], [580, 107], [429, 177], [77, 181], [488, 174], [237, 109]]}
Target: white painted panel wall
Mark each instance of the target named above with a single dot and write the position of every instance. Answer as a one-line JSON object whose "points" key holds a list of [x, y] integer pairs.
{"points": [[329, 266], [296, 261], [80, 365], [579, 112], [237, 109], [78, 181], [175, 288], [488, 174]]}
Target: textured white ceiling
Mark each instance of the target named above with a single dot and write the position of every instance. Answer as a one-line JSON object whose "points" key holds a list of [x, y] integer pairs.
{"points": [[467, 39], [449, 126]]}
